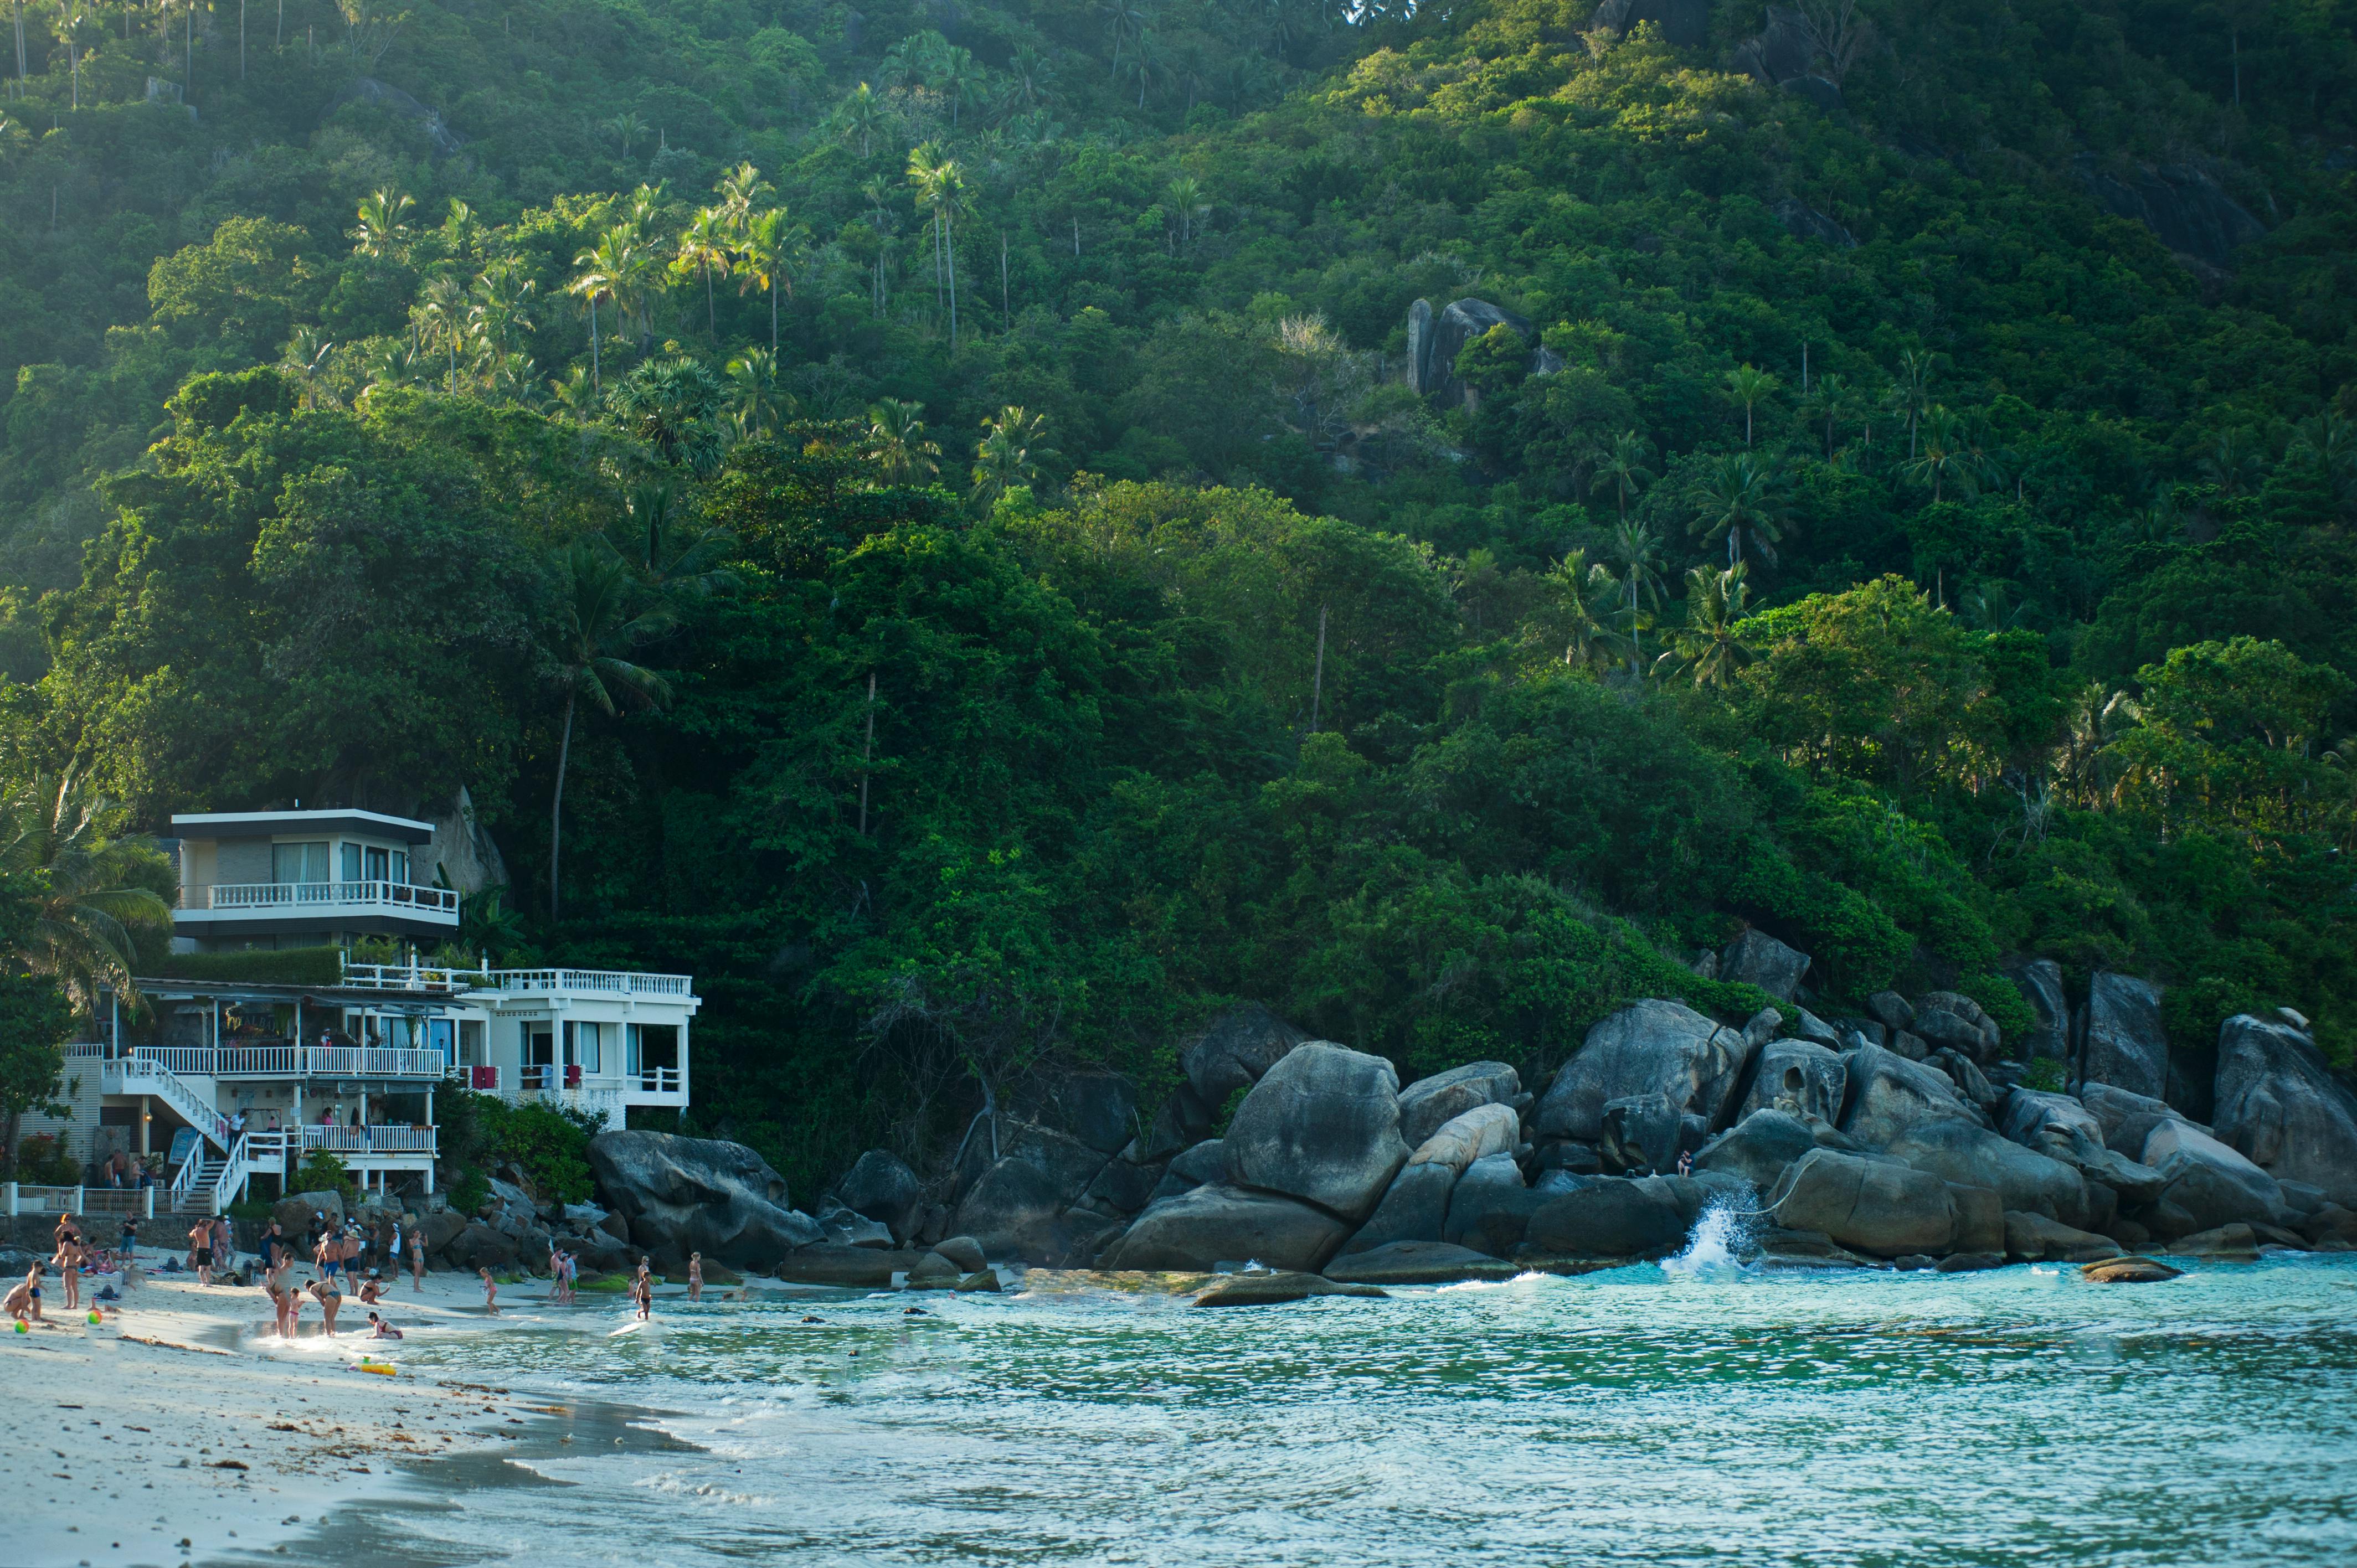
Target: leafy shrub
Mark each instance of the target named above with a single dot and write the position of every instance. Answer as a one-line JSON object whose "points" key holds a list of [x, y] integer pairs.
{"points": [[323, 1172]]}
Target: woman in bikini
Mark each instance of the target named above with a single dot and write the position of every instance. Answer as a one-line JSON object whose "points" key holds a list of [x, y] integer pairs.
{"points": [[329, 1299], [416, 1258], [24, 1302], [69, 1262]]}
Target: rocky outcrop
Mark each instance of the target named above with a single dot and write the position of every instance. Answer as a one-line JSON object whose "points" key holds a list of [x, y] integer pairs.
{"points": [[1414, 1207], [1206, 1161], [1806, 223], [1646, 1133], [1798, 1076], [1759, 1148], [1970, 1156], [461, 855], [880, 1186], [1870, 1206], [401, 106], [1269, 1287], [1434, 338], [1429, 1102], [1484, 1131], [1652, 1046], [2121, 1039], [1100, 1109], [1321, 1125], [2040, 981], [1608, 1218], [2060, 1128], [1234, 1050], [1953, 1019], [2191, 212], [1418, 1263], [2279, 1105], [1219, 1224], [2206, 1184], [2126, 1118], [1890, 1094], [1491, 1207], [698, 1195], [2040, 1239], [1755, 958], [1686, 22]]}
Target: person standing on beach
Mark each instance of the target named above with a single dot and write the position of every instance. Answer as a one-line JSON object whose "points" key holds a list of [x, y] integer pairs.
{"points": [[490, 1293], [273, 1244], [329, 1298], [69, 1262], [696, 1276], [224, 1248], [416, 1258], [201, 1251], [130, 1246]]}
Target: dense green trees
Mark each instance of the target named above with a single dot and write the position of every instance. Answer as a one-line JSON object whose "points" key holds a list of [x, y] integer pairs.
{"points": [[992, 434]]}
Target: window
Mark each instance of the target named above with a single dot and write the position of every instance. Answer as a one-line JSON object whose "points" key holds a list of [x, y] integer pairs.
{"points": [[470, 1043], [631, 1049], [400, 866], [377, 863], [350, 871], [583, 1047], [291, 863]]}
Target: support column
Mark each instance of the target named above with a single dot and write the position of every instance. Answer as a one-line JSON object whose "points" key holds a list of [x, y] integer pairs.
{"points": [[147, 1118], [148, 1202], [11, 1199]]}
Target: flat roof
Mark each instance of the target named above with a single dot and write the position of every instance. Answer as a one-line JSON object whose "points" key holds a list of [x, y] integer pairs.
{"points": [[257, 824]]}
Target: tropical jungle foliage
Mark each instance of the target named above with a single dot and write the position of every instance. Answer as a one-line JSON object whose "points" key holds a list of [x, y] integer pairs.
{"points": [[913, 514]]}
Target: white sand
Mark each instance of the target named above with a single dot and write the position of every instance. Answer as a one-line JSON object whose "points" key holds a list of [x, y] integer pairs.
{"points": [[177, 1429]]}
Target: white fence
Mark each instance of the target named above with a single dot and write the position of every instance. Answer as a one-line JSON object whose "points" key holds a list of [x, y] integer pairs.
{"points": [[282, 895], [295, 1061]]}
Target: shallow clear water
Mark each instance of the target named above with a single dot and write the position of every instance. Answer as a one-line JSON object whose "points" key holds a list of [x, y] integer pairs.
{"points": [[1640, 1415]]}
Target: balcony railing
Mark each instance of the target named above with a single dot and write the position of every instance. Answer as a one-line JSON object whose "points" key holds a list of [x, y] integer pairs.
{"points": [[542, 1078], [280, 896], [386, 1139], [588, 981], [295, 1061]]}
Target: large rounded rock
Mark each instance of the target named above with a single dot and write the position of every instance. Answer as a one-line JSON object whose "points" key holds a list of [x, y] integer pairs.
{"points": [[1100, 1109], [1321, 1125], [1953, 1019], [1609, 1217], [2040, 981], [2123, 1043], [2280, 1106], [296, 1211], [1971, 1155], [1759, 1148], [1215, 1225], [1429, 1103], [1871, 1205], [1234, 1050], [2210, 1183], [880, 1186], [1020, 1211], [2039, 1238], [1206, 1161], [1414, 1207], [1651, 1046], [698, 1195], [1484, 1131], [1647, 1133], [1490, 1206], [1888, 1094], [2062, 1128], [1803, 1072], [1418, 1264], [1755, 958]]}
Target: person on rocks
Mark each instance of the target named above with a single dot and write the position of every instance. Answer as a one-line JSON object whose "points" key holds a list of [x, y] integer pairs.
{"points": [[201, 1251], [1685, 1162]]}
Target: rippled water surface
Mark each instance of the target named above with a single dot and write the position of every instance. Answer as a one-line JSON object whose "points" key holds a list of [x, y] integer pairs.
{"points": [[1639, 1415]]}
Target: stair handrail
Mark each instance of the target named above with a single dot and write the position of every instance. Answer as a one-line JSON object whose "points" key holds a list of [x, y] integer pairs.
{"points": [[193, 1107]]}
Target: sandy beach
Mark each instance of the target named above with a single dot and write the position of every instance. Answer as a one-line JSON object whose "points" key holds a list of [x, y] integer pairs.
{"points": [[177, 1429]]}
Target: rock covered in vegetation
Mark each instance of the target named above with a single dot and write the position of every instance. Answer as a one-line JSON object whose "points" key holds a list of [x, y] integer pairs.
{"points": [[2280, 1106], [698, 1195]]}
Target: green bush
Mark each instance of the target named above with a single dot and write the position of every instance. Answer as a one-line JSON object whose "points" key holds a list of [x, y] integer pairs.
{"points": [[323, 1172], [550, 1143], [286, 966], [470, 1192], [42, 1160]]}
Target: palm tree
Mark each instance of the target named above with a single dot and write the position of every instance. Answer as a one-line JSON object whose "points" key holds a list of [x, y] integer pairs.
{"points": [[395, 362], [578, 396], [90, 903], [1029, 80], [1637, 551], [625, 128], [595, 282], [703, 247], [1831, 397], [760, 406], [1126, 21], [958, 78], [896, 441], [740, 190], [1742, 493], [382, 230], [503, 301], [2233, 465], [1946, 456], [1622, 466], [1577, 588], [2328, 441], [1911, 392], [764, 243], [441, 315], [305, 358], [1145, 65], [1707, 644], [677, 559], [592, 629], [1008, 454], [1746, 386], [940, 187], [1184, 198], [862, 115]]}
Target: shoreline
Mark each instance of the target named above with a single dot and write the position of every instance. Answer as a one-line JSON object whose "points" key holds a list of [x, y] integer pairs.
{"points": [[178, 1431]]}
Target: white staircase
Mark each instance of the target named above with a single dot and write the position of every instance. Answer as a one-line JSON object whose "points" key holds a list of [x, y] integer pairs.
{"points": [[199, 1189]]}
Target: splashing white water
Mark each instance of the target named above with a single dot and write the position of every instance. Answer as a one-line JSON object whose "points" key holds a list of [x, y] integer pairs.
{"points": [[1721, 1237]]}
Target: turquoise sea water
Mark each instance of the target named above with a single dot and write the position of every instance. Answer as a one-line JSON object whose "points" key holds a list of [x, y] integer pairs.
{"points": [[1639, 1415]]}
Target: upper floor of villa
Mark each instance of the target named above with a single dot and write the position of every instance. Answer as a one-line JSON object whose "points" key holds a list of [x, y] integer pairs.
{"points": [[268, 878]]}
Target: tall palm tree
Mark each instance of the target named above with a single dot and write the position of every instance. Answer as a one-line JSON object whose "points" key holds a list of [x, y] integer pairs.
{"points": [[764, 243], [1622, 466], [1578, 588], [1746, 386], [441, 318], [1707, 646], [760, 404], [704, 246], [592, 629], [579, 396], [677, 558], [1637, 550], [1008, 454], [625, 128], [503, 301], [2329, 441], [959, 77], [1741, 494], [306, 359], [1911, 392], [595, 282], [1184, 198], [1126, 22], [940, 187], [674, 405], [2233, 465], [1946, 457], [740, 190], [383, 228], [863, 114], [896, 441], [95, 890], [1833, 398], [1029, 80]]}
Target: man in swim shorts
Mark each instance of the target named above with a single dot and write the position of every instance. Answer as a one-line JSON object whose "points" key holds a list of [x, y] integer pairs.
{"points": [[201, 1251]]}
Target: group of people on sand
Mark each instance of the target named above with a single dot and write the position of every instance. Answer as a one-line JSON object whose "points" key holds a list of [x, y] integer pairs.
{"points": [[72, 1256]]}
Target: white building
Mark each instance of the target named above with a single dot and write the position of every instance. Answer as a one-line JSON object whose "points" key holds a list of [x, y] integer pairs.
{"points": [[246, 1076]]}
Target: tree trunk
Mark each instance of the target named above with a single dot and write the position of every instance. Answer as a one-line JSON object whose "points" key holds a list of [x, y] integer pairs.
{"points": [[556, 800], [597, 378], [867, 753], [773, 317], [710, 313], [949, 249], [1317, 679], [241, 40]]}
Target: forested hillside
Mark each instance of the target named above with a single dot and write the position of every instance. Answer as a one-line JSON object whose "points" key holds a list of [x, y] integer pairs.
{"points": [[949, 499]]}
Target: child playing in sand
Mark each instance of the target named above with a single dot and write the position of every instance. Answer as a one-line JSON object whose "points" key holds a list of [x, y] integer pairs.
{"points": [[23, 1302], [490, 1293], [696, 1276], [642, 1291]]}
